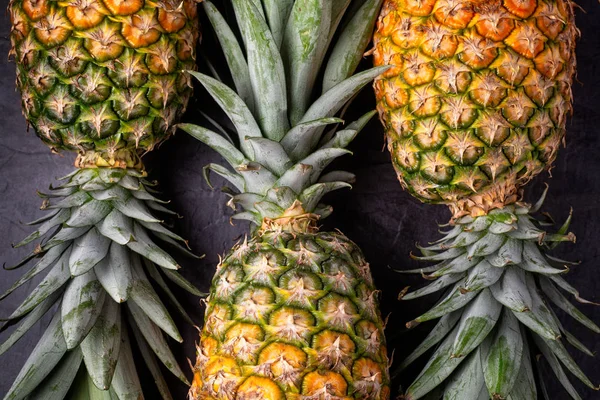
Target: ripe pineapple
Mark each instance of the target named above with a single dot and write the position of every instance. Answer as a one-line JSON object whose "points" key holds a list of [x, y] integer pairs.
{"points": [[292, 311], [101, 78], [474, 106]]}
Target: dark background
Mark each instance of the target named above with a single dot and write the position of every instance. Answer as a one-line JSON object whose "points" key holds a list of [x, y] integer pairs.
{"points": [[382, 219]]}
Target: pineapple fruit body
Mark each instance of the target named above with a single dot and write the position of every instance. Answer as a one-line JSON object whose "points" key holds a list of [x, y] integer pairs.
{"points": [[474, 106], [292, 316], [292, 312], [475, 103], [103, 78]]}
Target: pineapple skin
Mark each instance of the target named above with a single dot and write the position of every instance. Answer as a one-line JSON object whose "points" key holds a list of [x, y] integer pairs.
{"points": [[477, 99], [103, 77], [292, 316]]}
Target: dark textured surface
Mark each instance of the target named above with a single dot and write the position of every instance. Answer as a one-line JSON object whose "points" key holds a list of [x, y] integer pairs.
{"points": [[383, 220]]}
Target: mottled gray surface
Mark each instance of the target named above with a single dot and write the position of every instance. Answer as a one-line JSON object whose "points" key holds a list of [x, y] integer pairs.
{"points": [[377, 214]]}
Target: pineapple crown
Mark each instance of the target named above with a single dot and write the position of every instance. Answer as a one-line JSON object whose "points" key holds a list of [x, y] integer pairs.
{"points": [[283, 147]]}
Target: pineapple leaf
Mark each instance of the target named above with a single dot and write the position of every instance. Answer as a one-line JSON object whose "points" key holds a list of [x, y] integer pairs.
{"points": [[112, 193], [338, 176], [338, 10], [535, 262], [570, 338], [283, 196], [101, 346], [177, 245], [126, 382], [65, 235], [268, 209], [560, 282], [299, 177], [88, 250], [155, 340], [355, 127], [114, 273], [438, 368], [183, 283], [159, 208], [502, 360], [56, 278], [84, 389], [267, 75], [79, 177], [435, 286], [46, 217], [234, 107], [277, 13], [117, 227], [331, 102], [150, 362], [482, 275], [298, 141], [311, 196], [246, 200], [144, 296], [565, 358], [524, 386], [335, 98], [57, 383], [304, 45], [441, 329], [258, 179], [232, 155], [564, 304], [42, 360], [353, 41], [81, 304], [90, 213], [510, 253], [512, 291], [233, 54], [144, 246], [556, 367], [27, 322], [477, 321], [159, 228], [235, 179], [143, 194], [47, 260], [153, 271], [77, 199], [460, 264], [467, 382], [455, 300], [255, 218], [134, 208], [58, 218], [488, 244], [270, 154], [130, 183]]}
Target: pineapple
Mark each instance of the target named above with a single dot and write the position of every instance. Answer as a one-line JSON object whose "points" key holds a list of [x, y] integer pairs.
{"points": [[474, 106], [292, 311], [102, 78]]}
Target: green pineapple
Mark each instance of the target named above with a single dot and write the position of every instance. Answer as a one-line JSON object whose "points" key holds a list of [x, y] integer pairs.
{"points": [[292, 311], [474, 106], [102, 78]]}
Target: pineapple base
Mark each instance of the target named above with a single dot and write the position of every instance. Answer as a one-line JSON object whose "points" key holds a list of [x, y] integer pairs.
{"points": [[495, 316], [292, 316], [97, 251], [122, 158]]}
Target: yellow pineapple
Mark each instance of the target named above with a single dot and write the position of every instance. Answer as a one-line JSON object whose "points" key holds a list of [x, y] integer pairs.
{"points": [[102, 78], [292, 311], [474, 105]]}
